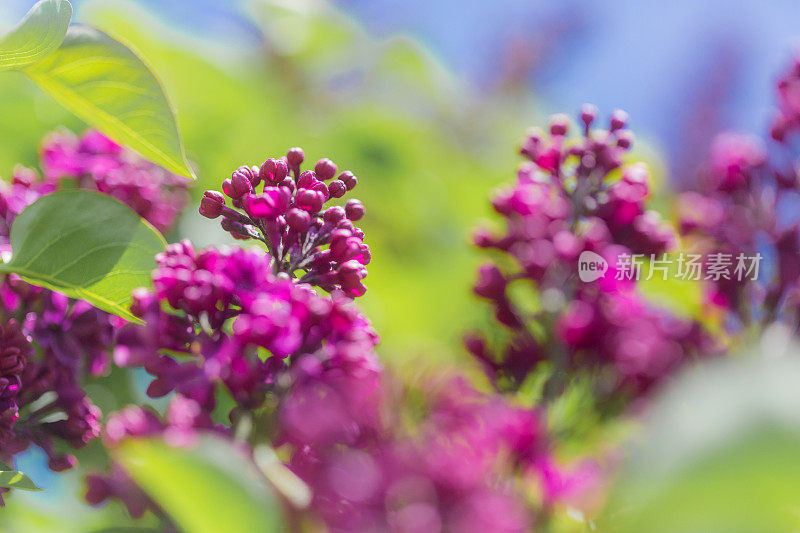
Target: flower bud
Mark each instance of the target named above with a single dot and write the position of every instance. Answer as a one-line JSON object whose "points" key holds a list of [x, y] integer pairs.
{"points": [[295, 157], [349, 179], [337, 188], [240, 185], [298, 220], [354, 210], [274, 170], [588, 114], [325, 169], [618, 119], [334, 214], [212, 203], [306, 180], [559, 124], [309, 200]]}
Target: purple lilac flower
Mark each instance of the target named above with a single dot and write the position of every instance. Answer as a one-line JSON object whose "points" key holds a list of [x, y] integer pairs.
{"points": [[734, 210], [284, 208], [96, 162], [70, 338], [568, 200], [460, 470], [226, 309]]}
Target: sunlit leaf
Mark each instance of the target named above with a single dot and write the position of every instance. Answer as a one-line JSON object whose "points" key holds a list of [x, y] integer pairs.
{"points": [[205, 489], [86, 245], [109, 86], [10, 478], [38, 35]]}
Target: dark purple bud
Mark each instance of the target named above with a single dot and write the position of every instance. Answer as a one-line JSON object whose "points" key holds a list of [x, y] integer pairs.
{"points": [[212, 203], [333, 214], [227, 187], [240, 185], [491, 283], [309, 200], [337, 188], [321, 188], [306, 180], [251, 173], [325, 169], [237, 230], [618, 119], [349, 179], [559, 124], [588, 114], [295, 157], [273, 170], [354, 210], [298, 220], [624, 139], [289, 183], [60, 463]]}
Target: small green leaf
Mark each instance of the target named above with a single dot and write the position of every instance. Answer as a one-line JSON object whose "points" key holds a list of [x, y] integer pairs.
{"points": [[38, 35], [11, 479], [205, 489], [109, 86], [86, 245]]}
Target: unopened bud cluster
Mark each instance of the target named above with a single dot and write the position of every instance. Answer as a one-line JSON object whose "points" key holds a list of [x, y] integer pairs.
{"points": [[286, 209]]}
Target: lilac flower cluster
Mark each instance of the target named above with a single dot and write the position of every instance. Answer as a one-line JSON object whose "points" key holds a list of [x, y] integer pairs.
{"points": [[574, 195], [465, 468], [236, 324], [96, 162], [289, 216], [220, 322], [735, 209], [66, 340]]}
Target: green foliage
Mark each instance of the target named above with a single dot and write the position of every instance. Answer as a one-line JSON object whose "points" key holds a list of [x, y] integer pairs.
{"points": [[86, 245], [205, 489], [10, 478], [38, 35], [109, 86], [720, 453]]}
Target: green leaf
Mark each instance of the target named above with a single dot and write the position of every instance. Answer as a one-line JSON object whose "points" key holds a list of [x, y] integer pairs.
{"points": [[86, 245], [11, 479], [720, 451], [109, 86], [205, 489], [38, 35]]}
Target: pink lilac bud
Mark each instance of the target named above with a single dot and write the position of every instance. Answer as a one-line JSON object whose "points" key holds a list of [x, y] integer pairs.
{"points": [[325, 169], [349, 179], [559, 125], [240, 185], [298, 220], [306, 180], [273, 171], [211, 204], [354, 210], [619, 119], [295, 157], [337, 188]]}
